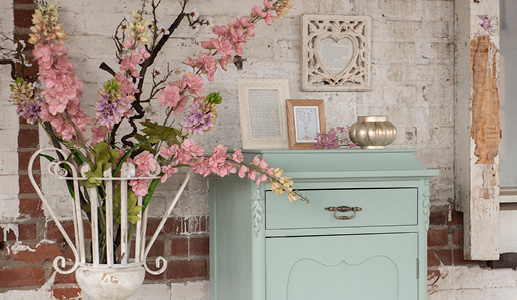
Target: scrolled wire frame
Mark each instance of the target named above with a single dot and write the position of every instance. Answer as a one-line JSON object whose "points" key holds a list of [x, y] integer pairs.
{"points": [[316, 75], [57, 168]]}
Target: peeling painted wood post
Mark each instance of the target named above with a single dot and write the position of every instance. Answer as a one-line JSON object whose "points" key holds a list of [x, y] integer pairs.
{"points": [[477, 126]]}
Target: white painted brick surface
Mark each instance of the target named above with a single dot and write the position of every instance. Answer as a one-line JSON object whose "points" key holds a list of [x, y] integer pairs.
{"points": [[8, 132]]}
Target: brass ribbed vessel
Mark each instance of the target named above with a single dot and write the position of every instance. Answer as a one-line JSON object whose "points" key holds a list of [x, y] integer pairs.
{"points": [[372, 132]]}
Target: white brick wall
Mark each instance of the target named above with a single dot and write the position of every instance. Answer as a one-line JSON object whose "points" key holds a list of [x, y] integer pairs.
{"points": [[8, 132]]}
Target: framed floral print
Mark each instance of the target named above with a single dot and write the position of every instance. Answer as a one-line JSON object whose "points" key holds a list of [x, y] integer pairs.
{"points": [[305, 119]]}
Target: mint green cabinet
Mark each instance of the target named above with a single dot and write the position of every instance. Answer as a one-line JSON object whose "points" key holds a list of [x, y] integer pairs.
{"points": [[263, 247]]}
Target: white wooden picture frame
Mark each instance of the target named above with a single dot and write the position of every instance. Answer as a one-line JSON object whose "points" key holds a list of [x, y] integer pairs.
{"points": [[336, 53], [263, 113]]}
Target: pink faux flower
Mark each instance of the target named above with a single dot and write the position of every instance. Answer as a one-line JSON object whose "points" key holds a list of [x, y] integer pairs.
{"points": [[169, 96], [194, 83], [145, 162], [168, 171], [192, 148], [259, 163], [139, 187], [168, 152], [223, 46], [242, 171], [98, 134], [237, 156]]}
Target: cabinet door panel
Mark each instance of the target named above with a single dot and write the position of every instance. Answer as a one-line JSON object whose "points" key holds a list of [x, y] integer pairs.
{"points": [[355, 267]]}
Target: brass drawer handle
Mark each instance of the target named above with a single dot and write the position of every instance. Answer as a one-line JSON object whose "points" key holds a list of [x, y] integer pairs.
{"points": [[343, 208]]}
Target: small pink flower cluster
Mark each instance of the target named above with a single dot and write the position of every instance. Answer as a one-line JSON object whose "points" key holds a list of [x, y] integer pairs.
{"points": [[189, 153], [145, 165], [331, 139], [222, 164]]}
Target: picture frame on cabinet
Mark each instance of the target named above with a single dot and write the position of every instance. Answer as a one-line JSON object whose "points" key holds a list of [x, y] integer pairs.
{"points": [[305, 119], [336, 53], [263, 112]]}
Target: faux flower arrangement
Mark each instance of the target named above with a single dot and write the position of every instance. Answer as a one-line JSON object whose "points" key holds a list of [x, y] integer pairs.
{"points": [[155, 149], [335, 138]]}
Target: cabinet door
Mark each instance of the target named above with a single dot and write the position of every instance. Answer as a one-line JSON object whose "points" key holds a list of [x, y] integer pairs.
{"points": [[351, 267]]}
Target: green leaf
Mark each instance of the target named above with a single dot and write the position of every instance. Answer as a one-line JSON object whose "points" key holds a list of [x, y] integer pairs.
{"points": [[140, 137], [113, 153], [149, 131], [155, 139], [149, 124], [78, 156], [50, 158], [150, 192], [93, 180], [132, 209], [126, 155]]}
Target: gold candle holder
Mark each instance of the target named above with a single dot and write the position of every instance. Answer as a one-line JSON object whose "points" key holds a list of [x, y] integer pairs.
{"points": [[372, 132]]}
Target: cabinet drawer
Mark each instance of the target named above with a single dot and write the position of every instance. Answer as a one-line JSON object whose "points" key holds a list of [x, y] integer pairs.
{"points": [[379, 207]]}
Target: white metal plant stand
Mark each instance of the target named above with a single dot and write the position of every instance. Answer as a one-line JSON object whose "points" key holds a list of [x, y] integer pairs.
{"points": [[115, 280]]}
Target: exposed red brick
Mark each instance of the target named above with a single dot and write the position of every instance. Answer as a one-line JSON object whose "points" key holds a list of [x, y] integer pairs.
{"points": [[26, 185], [28, 138], [42, 252], [149, 276], [31, 208], [21, 277], [459, 259], [179, 246], [66, 293], [26, 231], [457, 236], [156, 250], [456, 218], [177, 269], [27, 71], [439, 257], [438, 217], [23, 17], [437, 237], [23, 1], [54, 233], [179, 225], [190, 246], [65, 278], [23, 161]]}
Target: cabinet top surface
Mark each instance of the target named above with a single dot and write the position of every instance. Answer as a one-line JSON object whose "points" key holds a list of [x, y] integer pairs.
{"points": [[383, 161]]}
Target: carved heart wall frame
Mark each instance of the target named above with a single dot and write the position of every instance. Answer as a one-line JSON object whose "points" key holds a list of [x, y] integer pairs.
{"points": [[323, 60], [336, 53]]}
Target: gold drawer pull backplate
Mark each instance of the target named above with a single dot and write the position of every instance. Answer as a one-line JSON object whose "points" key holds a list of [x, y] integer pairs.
{"points": [[343, 208]]}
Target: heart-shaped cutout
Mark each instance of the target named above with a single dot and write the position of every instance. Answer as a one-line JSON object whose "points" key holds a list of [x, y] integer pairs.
{"points": [[336, 54]]}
